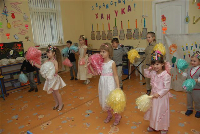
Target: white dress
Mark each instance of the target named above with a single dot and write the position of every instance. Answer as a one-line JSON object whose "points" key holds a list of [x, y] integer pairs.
{"points": [[106, 83], [53, 81]]}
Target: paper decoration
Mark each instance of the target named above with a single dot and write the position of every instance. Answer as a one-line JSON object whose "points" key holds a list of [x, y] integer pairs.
{"points": [[173, 61], [116, 12], [164, 25], [22, 31], [5, 11], [27, 38], [122, 11], [13, 15], [198, 4], [16, 37], [129, 8], [122, 35], [187, 19], [103, 33], [144, 31], [17, 23], [129, 32], [195, 21], [98, 36], [92, 34], [136, 31], [134, 6], [16, 7], [109, 35], [26, 25], [102, 16], [173, 48], [108, 16], [8, 35], [1, 24], [115, 31], [8, 26], [25, 17]]}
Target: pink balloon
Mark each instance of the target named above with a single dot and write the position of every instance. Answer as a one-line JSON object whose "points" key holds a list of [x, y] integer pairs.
{"points": [[33, 54]]}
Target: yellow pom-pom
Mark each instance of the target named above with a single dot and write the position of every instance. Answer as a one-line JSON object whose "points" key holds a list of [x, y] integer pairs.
{"points": [[116, 100], [160, 47], [132, 54], [144, 102]]}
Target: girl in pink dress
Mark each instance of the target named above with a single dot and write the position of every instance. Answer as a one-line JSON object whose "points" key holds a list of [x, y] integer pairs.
{"points": [[158, 114]]}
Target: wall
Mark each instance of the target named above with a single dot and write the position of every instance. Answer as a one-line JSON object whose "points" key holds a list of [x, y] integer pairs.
{"points": [[135, 13]]}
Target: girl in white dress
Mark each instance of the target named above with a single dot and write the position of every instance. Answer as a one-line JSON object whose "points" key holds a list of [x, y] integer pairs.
{"points": [[49, 70], [108, 81]]}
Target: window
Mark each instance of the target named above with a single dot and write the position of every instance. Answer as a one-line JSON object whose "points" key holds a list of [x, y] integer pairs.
{"points": [[46, 22]]}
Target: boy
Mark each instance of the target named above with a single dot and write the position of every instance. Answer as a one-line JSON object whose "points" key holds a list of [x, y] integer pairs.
{"points": [[30, 70], [71, 57], [119, 51]]}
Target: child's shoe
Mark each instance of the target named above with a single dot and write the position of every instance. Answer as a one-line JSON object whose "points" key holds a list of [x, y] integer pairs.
{"points": [[36, 89], [117, 119], [163, 132], [31, 90], [149, 129], [197, 115], [72, 78], [188, 112], [109, 117]]}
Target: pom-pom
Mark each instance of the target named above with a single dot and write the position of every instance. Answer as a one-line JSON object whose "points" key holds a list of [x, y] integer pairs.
{"points": [[168, 67], [132, 54], [67, 62], [47, 70], [182, 65], [74, 48], [189, 85], [33, 54], [65, 52], [82, 61], [160, 47], [95, 63], [23, 78], [116, 100], [144, 102]]}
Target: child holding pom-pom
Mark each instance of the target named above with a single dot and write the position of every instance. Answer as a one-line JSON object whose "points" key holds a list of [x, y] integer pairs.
{"points": [[82, 62], [194, 95], [49, 70], [158, 114], [108, 81]]}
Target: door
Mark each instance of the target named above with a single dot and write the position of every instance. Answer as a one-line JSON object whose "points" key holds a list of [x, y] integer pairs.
{"points": [[175, 13]]}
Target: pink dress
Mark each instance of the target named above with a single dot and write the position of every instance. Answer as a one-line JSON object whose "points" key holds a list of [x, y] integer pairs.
{"points": [[158, 114]]}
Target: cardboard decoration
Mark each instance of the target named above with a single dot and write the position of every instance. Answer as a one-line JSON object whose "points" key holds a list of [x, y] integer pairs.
{"points": [[115, 31], [144, 31], [92, 34], [129, 32], [109, 35], [98, 36], [136, 31], [103, 33], [121, 35], [187, 19]]}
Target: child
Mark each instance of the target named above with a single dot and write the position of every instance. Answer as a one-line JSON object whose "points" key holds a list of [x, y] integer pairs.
{"points": [[119, 51], [158, 115], [71, 57], [194, 73], [151, 39], [52, 85], [30, 70], [108, 81], [82, 69]]}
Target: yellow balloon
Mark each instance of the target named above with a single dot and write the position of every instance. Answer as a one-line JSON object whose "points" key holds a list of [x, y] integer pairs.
{"points": [[116, 100], [8, 25], [132, 55], [160, 47]]}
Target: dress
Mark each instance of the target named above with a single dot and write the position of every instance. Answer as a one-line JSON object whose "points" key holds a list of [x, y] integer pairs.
{"points": [[106, 83], [53, 82], [158, 114], [82, 69]]}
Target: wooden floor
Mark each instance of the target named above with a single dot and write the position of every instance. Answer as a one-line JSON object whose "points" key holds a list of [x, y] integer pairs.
{"points": [[23, 111]]}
